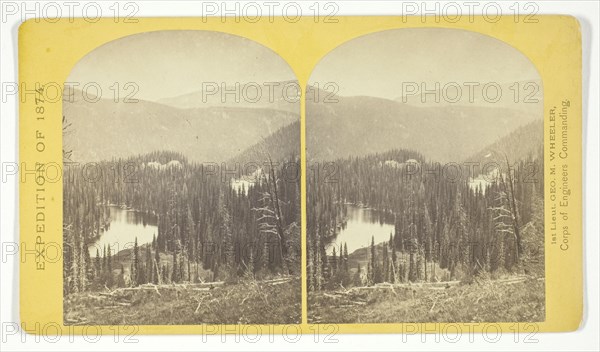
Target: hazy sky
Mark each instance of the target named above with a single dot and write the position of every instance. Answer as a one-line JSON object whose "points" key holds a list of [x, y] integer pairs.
{"points": [[170, 63], [377, 64]]}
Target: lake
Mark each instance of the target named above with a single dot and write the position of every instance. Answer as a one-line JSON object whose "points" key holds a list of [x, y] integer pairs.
{"points": [[361, 225], [125, 226]]}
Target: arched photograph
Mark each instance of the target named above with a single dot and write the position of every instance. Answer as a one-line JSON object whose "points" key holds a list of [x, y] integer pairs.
{"points": [[425, 189], [182, 183]]}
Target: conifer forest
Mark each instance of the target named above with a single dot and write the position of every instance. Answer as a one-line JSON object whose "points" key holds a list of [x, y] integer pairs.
{"points": [[425, 197], [445, 233], [182, 207], [186, 206]]}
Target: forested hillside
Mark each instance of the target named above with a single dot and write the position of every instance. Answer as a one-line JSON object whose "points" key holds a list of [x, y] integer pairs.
{"points": [[207, 230], [445, 229], [278, 146], [202, 220], [438, 223], [524, 142]]}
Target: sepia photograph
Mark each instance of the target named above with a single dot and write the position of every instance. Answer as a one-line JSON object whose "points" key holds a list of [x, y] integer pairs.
{"points": [[181, 189], [338, 175], [425, 181]]}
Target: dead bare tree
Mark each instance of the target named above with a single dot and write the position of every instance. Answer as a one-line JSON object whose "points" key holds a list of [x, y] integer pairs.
{"points": [[506, 213], [270, 221]]}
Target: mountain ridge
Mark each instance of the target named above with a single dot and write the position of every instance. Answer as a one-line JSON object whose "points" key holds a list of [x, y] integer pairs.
{"points": [[104, 129], [272, 96], [355, 126]]}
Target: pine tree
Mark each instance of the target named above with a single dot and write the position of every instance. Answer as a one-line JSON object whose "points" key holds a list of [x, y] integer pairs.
{"points": [[412, 265], [346, 270], [109, 260], [76, 266], [419, 262], [182, 272], [104, 260], [385, 266], [135, 265], [334, 263], [89, 269], [175, 272], [108, 271], [157, 274], [394, 263], [98, 264], [318, 262], [376, 270], [148, 267]]}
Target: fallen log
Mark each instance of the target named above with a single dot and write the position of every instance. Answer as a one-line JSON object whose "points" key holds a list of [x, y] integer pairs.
{"points": [[276, 281], [156, 288], [203, 289], [330, 295], [354, 304], [100, 297]]}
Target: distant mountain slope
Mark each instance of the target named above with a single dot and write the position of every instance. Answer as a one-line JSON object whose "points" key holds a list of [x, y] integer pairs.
{"points": [[105, 129], [281, 146], [273, 95], [523, 143], [355, 126]]}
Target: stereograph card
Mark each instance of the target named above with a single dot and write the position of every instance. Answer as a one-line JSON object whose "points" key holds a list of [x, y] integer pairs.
{"points": [[373, 175]]}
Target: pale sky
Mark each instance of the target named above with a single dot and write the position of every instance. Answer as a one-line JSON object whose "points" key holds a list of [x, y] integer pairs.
{"points": [[171, 63], [377, 64]]}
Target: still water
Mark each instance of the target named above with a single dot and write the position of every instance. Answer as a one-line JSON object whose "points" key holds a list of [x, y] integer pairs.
{"points": [[125, 226], [361, 225]]}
